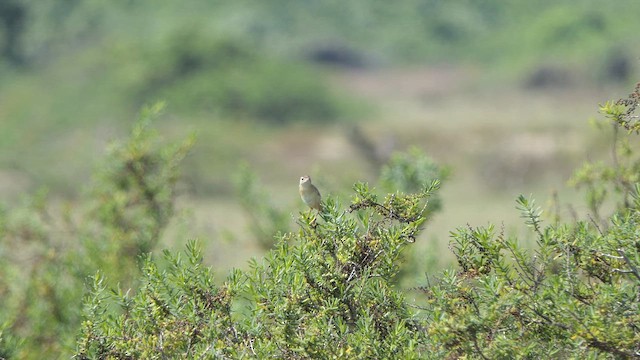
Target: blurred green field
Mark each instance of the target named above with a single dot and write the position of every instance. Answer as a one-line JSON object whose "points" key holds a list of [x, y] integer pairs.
{"points": [[498, 144], [501, 93]]}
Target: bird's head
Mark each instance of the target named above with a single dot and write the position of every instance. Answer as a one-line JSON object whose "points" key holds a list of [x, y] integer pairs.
{"points": [[305, 179]]}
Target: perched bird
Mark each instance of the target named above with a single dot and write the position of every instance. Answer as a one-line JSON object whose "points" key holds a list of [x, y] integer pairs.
{"points": [[309, 193]]}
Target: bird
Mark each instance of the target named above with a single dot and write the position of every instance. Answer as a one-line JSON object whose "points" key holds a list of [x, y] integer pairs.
{"points": [[309, 193]]}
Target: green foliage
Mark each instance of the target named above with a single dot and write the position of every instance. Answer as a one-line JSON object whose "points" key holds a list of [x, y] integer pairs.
{"points": [[329, 283], [573, 296], [178, 312], [623, 112], [134, 190], [412, 171], [8, 344], [48, 250], [619, 178], [41, 295], [132, 199]]}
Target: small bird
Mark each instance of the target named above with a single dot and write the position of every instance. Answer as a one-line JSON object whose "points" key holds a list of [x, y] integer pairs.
{"points": [[309, 193]]}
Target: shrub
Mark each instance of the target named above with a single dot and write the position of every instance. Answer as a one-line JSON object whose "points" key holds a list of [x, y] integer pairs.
{"points": [[411, 172], [326, 290], [573, 296], [48, 251], [329, 283]]}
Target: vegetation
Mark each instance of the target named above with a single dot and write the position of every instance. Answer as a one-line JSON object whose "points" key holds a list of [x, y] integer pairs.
{"points": [[443, 30], [227, 62], [329, 282], [574, 295], [81, 271], [48, 253]]}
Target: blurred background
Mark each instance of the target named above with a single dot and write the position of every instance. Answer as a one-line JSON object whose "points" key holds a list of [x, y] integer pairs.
{"points": [[497, 93]]}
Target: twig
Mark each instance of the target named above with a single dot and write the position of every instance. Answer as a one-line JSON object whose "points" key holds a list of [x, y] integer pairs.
{"points": [[634, 270]]}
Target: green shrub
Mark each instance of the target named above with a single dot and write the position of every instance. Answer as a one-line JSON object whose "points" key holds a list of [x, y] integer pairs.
{"points": [[412, 171], [327, 290], [47, 251], [575, 295], [329, 283]]}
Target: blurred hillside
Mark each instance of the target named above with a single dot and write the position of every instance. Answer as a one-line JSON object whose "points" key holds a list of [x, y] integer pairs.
{"points": [[356, 34], [498, 91]]}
